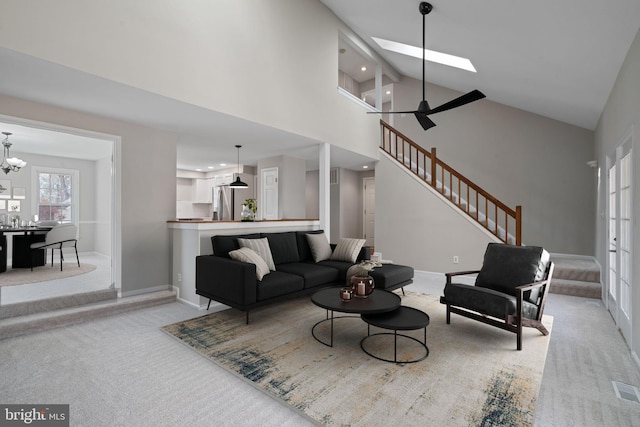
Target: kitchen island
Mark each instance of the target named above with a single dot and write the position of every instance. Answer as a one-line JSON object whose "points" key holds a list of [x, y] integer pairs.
{"points": [[192, 237]]}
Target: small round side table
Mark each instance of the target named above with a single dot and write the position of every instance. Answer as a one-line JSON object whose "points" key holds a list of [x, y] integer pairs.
{"points": [[401, 319]]}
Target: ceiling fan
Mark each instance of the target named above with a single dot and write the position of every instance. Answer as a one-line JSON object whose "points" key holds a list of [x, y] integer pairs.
{"points": [[424, 110]]}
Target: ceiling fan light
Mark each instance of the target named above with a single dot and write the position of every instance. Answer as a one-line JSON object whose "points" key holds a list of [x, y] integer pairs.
{"points": [[429, 55]]}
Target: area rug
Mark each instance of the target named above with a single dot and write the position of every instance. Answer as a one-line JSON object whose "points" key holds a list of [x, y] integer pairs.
{"points": [[21, 276], [473, 375]]}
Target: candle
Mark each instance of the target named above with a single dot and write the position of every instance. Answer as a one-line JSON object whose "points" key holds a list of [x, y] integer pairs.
{"points": [[361, 289]]}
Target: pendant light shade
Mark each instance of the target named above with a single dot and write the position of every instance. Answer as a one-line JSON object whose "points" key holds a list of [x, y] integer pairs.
{"points": [[237, 183]]}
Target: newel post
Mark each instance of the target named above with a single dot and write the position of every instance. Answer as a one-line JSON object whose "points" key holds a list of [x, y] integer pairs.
{"points": [[433, 166]]}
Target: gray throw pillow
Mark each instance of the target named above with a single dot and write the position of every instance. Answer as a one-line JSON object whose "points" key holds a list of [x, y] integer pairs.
{"points": [[319, 245]]}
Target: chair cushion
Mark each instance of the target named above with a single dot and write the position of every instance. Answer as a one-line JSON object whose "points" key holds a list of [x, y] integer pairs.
{"points": [[506, 266], [284, 247], [312, 274], [486, 301]]}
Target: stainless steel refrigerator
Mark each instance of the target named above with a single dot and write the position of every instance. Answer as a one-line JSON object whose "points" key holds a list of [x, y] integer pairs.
{"points": [[222, 203]]}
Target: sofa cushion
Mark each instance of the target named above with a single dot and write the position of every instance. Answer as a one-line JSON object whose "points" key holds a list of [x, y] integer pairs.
{"points": [[313, 274], [222, 245], [261, 246], [486, 301], [526, 264], [341, 266], [347, 250], [250, 256], [284, 247], [304, 252], [278, 283], [320, 247]]}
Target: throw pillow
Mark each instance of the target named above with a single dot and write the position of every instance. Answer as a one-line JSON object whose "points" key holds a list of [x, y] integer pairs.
{"points": [[319, 245], [250, 256], [347, 250], [261, 247]]}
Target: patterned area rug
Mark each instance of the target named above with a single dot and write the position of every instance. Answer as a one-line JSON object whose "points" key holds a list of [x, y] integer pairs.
{"points": [[473, 375]]}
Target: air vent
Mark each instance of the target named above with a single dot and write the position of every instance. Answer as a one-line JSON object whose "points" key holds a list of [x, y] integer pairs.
{"points": [[626, 392], [333, 176]]}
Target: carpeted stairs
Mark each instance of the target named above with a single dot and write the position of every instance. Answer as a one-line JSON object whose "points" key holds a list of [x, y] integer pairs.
{"points": [[576, 276], [36, 316]]}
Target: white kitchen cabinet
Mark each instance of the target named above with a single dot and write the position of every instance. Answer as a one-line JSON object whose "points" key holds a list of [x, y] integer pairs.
{"points": [[202, 190]]}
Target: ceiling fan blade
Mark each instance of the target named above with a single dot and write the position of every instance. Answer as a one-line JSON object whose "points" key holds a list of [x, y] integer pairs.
{"points": [[425, 121], [392, 112], [474, 95]]}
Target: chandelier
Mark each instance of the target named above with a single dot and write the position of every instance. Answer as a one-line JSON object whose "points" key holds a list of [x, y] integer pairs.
{"points": [[10, 163]]}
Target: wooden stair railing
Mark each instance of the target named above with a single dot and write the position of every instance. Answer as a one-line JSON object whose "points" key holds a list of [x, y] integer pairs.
{"points": [[499, 219]]}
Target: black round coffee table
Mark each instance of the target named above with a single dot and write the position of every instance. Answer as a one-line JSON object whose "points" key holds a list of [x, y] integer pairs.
{"points": [[402, 319], [379, 301]]}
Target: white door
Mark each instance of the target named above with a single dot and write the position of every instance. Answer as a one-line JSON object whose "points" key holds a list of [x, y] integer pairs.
{"points": [[620, 288], [269, 193], [369, 210]]}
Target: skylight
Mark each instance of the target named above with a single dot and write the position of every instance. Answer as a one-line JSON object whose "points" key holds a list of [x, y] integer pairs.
{"points": [[430, 55]]}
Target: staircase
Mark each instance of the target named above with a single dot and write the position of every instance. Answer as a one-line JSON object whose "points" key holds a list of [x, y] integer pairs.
{"points": [[496, 217], [576, 276]]}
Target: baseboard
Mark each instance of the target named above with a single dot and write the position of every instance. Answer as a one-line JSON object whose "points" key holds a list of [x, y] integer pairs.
{"points": [[144, 291]]}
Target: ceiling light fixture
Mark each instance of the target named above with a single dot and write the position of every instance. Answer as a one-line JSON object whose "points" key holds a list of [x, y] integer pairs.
{"points": [[363, 68], [237, 183], [429, 55], [10, 164]]}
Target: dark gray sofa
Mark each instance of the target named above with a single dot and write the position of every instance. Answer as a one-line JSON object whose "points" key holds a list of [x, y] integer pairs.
{"points": [[234, 283]]}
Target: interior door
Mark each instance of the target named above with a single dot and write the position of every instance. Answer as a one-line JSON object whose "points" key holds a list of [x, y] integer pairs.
{"points": [[269, 193], [619, 230], [369, 210]]}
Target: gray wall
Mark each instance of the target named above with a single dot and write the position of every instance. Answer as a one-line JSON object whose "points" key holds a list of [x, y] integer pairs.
{"points": [[521, 158], [622, 115]]}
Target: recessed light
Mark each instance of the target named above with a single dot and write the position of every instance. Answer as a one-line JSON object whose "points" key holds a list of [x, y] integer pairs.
{"points": [[198, 170], [209, 167], [388, 92], [223, 164], [365, 167], [430, 55], [363, 68]]}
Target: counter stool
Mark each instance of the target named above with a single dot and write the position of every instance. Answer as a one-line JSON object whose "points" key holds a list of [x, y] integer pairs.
{"points": [[402, 319]]}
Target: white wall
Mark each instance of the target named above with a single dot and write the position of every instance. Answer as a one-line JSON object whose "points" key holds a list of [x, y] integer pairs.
{"points": [[521, 158], [291, 185], [145, 167], [621, 115], [272, 62]]}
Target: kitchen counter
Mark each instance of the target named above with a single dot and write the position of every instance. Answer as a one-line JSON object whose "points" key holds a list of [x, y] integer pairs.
{"points": [[192, 237]]}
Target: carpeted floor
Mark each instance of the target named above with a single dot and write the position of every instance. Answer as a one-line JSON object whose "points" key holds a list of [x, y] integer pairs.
{"points": [[43, 273], [495, 384]]}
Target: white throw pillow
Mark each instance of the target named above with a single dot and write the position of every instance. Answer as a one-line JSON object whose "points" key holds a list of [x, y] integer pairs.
{"points": [[319, 245], [261, 247], [250, 256], [347, 250]]}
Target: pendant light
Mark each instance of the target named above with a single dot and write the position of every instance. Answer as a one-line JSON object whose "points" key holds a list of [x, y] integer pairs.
{"points": [[10, 164], [237, 183]]}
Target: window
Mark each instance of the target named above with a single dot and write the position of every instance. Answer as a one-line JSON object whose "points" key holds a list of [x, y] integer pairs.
{"points": [[56, 194]]}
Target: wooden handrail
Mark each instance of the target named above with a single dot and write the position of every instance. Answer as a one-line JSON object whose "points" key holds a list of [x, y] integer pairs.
{"points": [[495, 216]]}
